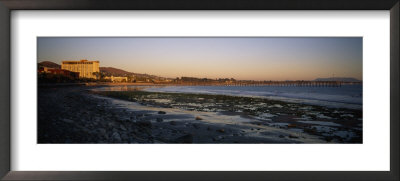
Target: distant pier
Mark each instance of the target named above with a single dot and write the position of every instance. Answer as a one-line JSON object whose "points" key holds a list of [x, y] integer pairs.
{"points": [[291, 83], [271, 83]]}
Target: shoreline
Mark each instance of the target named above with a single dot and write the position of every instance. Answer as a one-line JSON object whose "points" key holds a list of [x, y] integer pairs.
{"points": [[109, 120], [206, 127], [105, 120], [337, 124], [288, 99]]}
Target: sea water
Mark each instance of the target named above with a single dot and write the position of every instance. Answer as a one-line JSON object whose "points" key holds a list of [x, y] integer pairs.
{"points": [[346, 96]]}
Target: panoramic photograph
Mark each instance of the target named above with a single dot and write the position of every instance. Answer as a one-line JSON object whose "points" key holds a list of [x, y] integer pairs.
{"points": [[199, 90]]}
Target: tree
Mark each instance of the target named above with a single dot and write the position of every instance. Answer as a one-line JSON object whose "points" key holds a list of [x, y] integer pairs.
{"points": [[102, 75], [131, 78], [97, 74]]}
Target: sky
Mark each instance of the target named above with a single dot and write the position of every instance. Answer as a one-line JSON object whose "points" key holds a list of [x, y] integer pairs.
{"points": [[241, 58]]}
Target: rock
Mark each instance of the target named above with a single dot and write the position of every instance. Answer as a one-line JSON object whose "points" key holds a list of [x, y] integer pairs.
{"points": [[132, 140], [144, 123], [124, 137], [221, 130], [209, 128], [102, 131], [196, 126], [97, 119], [116, 137], [184, 139], [329, 139], [161, 112], [159, 119], [67, 120], [172, 122], [292, 136], [281, 136], [110, 125], [122, 127], [198, 118], [218, 138]]}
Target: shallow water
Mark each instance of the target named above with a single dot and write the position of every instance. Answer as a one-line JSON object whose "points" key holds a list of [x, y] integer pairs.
{"points": [[235, 123], [346, 96], [256, 116]]}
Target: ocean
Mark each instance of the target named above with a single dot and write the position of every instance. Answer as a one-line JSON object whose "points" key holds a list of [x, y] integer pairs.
{"points": [[346, 96]]}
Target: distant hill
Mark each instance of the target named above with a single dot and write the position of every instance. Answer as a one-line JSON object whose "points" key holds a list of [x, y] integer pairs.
{"points": [[108, 71], [49, 64], [114, 71], [342, 79]]}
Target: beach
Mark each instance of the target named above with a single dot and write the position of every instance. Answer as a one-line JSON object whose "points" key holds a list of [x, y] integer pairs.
{"points": [[82, 114]]}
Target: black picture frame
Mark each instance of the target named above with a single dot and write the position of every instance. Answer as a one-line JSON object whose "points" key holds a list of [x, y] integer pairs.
{"points": [[7, 6]]}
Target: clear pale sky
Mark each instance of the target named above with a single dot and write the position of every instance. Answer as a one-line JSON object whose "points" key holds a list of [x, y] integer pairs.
{"points": [[240, 58]]}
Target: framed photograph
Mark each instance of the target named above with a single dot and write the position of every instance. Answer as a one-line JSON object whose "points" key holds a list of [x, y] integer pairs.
{"points": [[234, 90]]}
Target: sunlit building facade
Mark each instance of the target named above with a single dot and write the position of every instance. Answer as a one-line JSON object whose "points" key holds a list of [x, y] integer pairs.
{"points": [[117, 79], [55, 71], [85, 68]]}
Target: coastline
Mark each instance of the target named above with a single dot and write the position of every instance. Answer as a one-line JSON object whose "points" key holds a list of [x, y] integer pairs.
{"points": [[330, 124], [349, 97], [110, 120]]}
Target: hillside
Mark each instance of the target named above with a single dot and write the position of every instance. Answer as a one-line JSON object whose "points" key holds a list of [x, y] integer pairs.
{"points": [[114, 71], [108, 71], [49, 64], [342, 79]]}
